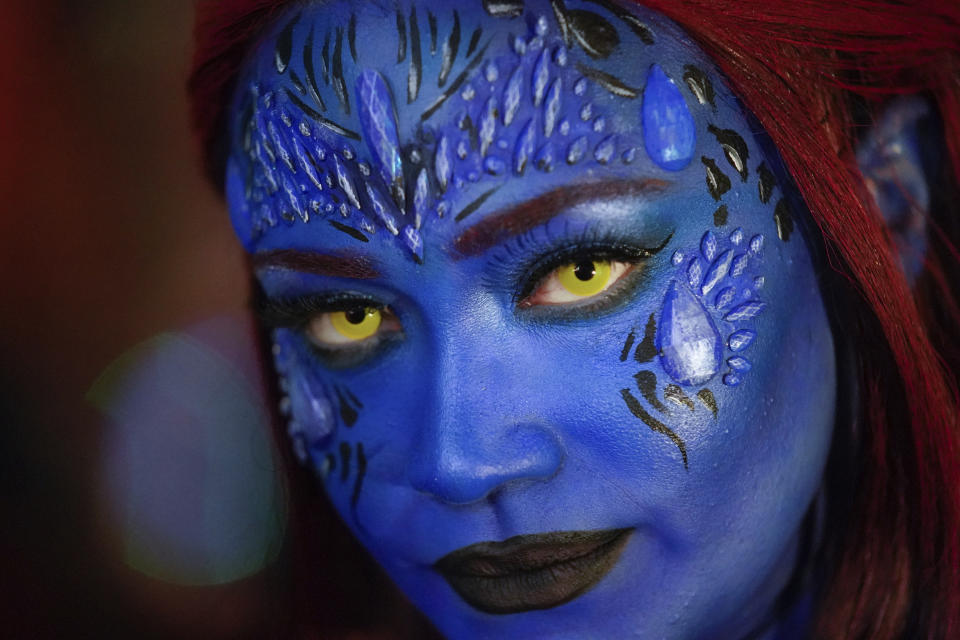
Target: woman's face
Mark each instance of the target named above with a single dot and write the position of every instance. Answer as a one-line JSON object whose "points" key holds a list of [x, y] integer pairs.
{"points": [[549, 333]]}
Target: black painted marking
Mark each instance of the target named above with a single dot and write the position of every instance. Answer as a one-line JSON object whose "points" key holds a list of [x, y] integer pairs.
{"points": [[675, 394], [325, 59], [339, 84], [646, 350], [784, 219], [329, 124], [476, 204], [717, 181], [352, 36], [331, 462], [474, 41], [647, 384], [610, 82], [311, 72], [455, 85], [450, 49], [627, 346], [350, 231], [720, 216], [637, 410], [641, 30], [401, 37], [560, 12], [503, 8], [347, 412], [766, 183], [361, 474], [354, 399], [734, 148], [297, 82], [284, 48], [345, 460], [415, 73], [472, 135], [595, 34], [699, 85], [706, 397], [432, 28]]}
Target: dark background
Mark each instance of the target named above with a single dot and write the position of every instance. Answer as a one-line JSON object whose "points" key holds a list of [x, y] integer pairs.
{"points": [[108, 236]]}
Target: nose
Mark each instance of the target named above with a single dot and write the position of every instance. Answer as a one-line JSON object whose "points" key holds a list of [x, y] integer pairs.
{"points": [[463, 463]]}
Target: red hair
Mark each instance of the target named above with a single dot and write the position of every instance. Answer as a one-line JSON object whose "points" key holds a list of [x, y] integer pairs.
{"points": [[812, 72]]}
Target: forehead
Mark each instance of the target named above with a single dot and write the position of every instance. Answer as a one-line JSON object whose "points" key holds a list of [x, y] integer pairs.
{"points": [[383, 121]]}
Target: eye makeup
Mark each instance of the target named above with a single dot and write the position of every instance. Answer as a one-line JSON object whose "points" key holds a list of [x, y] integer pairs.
{"points": [[336, 327], [528, 260]]}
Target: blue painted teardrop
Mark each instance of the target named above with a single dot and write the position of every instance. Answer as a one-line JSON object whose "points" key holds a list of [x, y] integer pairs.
{"points": [[669, 134], [378, 120], [689, 345]]}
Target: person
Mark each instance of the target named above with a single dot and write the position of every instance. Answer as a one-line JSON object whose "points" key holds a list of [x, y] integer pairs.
{"points": [[601, 319]]}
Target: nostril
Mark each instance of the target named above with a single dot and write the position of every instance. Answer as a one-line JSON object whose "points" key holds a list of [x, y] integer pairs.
{"points": [[461, 471]]}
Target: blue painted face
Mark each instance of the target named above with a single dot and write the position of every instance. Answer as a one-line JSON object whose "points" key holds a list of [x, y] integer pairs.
{"points": [[545, 327]]}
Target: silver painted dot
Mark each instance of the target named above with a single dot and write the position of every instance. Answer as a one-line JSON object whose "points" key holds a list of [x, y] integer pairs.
{"points": [[468, 93], [586, 112], [519, 45], [580, 87]]}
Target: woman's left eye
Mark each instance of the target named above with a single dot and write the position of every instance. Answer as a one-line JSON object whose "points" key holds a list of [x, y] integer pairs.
{"points": [[577, 281]]}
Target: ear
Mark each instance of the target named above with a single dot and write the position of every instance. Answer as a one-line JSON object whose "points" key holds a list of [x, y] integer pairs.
{"points": [[897, 162]]}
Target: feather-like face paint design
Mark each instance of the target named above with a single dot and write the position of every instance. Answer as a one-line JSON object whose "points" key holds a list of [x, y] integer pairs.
{"points": [[530, 272]]}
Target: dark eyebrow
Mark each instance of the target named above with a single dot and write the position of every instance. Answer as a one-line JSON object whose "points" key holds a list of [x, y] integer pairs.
{"points": [[517, 219], [323, 264]]}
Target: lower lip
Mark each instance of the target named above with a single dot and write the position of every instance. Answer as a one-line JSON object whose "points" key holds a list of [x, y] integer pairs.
{"points": [[532, 572]]}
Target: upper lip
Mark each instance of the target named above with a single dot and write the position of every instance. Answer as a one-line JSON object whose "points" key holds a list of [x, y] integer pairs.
{"points": [[534, 571]]}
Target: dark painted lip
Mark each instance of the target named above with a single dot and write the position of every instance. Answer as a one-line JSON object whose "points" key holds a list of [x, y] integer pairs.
{"points": [[528, 572]]}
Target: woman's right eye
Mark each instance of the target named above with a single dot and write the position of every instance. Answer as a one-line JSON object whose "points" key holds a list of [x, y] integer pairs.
{"points": [[356, 327]]}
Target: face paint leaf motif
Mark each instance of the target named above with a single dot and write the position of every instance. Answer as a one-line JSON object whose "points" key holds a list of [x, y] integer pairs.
{"points": [[688, 342], [595, 34], [284, 46], [669, 134], [576, 150], [717, 272], [511, 95], [699, 85], [503, 8], [745, 311], [734, 148], [541, 76], [551, 108], [608, 81], [378, 120], [717, 181], [740, 340], [784, 219], [766, 183]]}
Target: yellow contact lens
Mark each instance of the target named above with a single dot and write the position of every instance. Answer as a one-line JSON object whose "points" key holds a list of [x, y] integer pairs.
{"points": [[357, 323], [584, 278]]}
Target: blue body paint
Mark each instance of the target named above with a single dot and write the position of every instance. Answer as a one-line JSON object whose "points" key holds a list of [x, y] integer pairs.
{"points": [[449, 176]]}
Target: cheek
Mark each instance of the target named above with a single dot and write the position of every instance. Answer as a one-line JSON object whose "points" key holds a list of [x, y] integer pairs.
{"points": [[322, 417]]}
